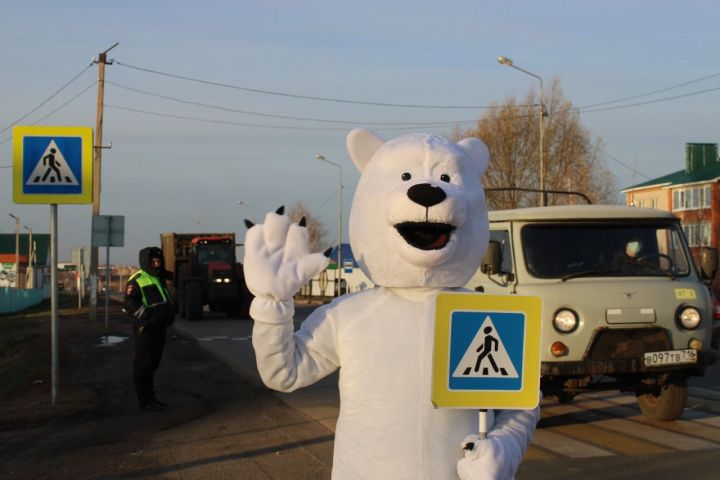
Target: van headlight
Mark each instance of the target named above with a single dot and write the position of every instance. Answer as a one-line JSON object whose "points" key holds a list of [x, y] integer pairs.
{"points": [[688, 317], [565, 320]]}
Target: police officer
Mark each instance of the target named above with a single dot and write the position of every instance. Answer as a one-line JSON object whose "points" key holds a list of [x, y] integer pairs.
{"points": [[148, 302]]}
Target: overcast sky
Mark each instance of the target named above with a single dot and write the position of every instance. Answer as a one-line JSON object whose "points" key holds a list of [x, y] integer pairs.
{"points": [[184, 153]]}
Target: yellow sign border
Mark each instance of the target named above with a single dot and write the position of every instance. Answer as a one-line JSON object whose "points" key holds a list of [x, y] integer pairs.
{"points": [[86, 189], [528, 395]]}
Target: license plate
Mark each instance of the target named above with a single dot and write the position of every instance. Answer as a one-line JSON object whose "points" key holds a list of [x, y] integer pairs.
{"points": [[670, 357]]}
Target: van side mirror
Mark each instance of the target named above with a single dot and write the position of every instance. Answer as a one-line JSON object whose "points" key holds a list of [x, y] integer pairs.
{"points": [[708, 262], [492, 262]]}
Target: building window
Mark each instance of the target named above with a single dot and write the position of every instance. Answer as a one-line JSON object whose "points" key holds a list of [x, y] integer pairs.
{"points": [[648, 203], [698, 234], [693, 198]]}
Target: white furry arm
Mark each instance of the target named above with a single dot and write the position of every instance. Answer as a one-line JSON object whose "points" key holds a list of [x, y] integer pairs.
{"points": [[286, 360], [277, 264], [499, 457]]}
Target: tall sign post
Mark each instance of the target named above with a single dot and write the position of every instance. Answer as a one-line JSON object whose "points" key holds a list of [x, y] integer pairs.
{"points": [[52, 165], [107, 231], [486, 352]]}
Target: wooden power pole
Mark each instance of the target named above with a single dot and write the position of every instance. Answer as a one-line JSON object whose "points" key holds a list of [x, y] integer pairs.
{"points": [[97, 165]]}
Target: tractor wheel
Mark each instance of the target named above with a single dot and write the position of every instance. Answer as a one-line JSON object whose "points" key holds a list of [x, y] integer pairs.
{"points": [[665, 403], [193, 301]]}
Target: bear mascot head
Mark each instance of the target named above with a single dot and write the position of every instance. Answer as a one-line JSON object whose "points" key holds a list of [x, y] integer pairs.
{"points": [[419, 217]]}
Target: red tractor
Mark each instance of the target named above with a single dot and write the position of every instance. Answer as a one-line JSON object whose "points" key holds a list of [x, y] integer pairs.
{"points": [[205, 272]]}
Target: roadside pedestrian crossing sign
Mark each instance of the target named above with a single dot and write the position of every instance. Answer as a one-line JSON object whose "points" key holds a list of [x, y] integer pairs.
{"points": [[487, 351], [52, 165]]}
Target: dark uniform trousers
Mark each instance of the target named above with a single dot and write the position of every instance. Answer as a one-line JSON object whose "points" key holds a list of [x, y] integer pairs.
{"points": [[148, 352]]}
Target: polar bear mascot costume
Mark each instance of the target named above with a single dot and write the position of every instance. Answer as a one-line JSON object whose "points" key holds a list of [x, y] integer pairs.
{"points": [[418, 226]]}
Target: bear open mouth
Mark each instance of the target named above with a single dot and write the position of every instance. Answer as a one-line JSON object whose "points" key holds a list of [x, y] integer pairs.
{"points": [[425, 235]]}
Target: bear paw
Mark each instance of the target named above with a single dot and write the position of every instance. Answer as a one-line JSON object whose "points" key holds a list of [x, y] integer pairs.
{"points": [[277, 263]]}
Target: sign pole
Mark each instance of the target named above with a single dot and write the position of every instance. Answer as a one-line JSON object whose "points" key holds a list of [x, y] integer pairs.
{"points": [[482, 424], [107, 286], [107, 231], [107, 278], [54, 299]]}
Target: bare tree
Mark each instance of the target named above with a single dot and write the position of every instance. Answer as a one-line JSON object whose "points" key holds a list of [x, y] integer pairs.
{"points": [[316, 230], [572, 163]]}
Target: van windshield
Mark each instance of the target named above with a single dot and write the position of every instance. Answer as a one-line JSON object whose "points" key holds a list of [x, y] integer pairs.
{"points": [[604, 249]]}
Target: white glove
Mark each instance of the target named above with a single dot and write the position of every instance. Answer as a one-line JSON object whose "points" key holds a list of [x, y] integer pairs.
{"points": [[499, 457], [485, 460], [277, 263]]}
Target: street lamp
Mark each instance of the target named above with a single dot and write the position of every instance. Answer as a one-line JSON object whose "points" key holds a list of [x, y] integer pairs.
{"points": [[31, 254], [252, 210], [506, 61], [17, 249], [340, 195]]}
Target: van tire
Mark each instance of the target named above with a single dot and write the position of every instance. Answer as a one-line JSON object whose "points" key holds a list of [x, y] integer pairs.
{"points": [[667, 403]]}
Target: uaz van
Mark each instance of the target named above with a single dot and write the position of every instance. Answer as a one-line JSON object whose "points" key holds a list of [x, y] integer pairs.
{"points": [[624, 306]]}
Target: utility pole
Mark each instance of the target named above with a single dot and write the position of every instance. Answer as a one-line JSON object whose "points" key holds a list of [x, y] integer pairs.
{"points": [[97, 162]]}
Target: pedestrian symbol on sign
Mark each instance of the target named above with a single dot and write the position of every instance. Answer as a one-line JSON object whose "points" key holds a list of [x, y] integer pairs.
{"points": [[486, 356], [52, 169]]}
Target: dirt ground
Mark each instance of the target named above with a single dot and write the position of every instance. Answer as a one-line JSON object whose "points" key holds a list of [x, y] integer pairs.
{"points": [[217, 425]]}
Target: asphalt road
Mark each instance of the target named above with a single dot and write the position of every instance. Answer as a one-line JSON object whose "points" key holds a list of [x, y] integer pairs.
{"points": [[598, 436]]}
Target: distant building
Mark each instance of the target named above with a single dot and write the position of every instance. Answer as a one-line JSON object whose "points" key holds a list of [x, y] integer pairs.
{"points": [[353, 279], [692, 194], [32, 272]]}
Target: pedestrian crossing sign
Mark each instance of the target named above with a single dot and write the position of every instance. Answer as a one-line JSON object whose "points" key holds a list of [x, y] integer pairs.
{"points": [[487, 351], [52, 164]]}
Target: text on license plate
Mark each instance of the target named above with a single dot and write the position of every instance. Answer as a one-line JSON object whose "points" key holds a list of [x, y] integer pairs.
{"points": [[670, 357]]}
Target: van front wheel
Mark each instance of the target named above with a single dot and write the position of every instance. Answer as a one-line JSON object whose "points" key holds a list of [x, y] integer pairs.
{"points": [[665, 403]]}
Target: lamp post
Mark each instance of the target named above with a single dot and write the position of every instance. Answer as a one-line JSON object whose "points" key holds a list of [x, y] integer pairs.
{"points": [[31, 254], [17, 249], [252, 210], [340, 195], [506, 61]]}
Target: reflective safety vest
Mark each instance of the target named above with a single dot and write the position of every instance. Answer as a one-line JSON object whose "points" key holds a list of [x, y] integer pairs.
{"points": [[150, 286]]}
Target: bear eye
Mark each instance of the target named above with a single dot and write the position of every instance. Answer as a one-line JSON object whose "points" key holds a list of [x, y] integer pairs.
{"points": [[445, 177], [406, 176]]}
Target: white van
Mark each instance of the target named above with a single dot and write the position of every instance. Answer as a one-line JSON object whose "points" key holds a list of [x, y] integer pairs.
{"points": [[624, 306]]}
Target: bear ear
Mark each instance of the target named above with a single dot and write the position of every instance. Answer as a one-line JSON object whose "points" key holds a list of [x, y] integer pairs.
{"points": [[362, 145], [476, 150]]}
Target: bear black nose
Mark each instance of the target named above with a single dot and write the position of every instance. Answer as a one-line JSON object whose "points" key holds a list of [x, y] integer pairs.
{"points": [[426, 194]]}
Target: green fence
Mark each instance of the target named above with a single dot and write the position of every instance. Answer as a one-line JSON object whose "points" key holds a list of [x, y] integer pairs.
{"points": [[15, 299]]}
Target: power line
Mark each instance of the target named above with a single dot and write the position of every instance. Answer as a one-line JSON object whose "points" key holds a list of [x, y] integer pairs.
{"points": [[67, 103], [270, 115], [46, 100], [303, 97], [632, 97], [58, 108], [604, 153], [257, 125], [648, 102]]}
